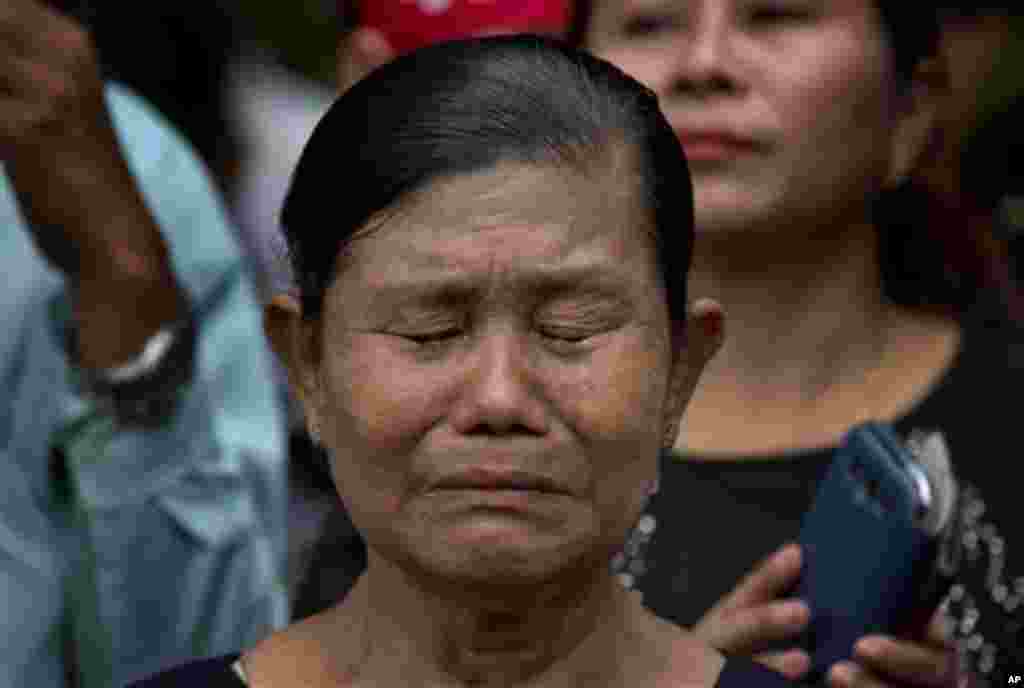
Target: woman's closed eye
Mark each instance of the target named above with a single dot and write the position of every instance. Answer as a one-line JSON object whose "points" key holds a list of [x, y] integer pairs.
{"points": [[569, 335], [579, 337], [433, 336]]}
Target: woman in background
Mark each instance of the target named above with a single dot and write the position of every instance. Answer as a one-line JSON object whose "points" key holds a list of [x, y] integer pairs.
{"points": [[797, 117]]}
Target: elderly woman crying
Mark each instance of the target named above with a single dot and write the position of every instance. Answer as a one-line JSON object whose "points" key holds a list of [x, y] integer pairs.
{"points": [[492, 339]]}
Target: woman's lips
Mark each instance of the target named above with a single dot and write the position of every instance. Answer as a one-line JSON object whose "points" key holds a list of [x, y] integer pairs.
{"points": [[713, 145]]}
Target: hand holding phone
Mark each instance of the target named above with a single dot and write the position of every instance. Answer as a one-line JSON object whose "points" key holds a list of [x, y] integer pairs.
{"points": [[878, 546]]}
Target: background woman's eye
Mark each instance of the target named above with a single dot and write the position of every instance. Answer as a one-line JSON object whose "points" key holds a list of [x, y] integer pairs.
{"points": [[647, 25], [778, 14]]}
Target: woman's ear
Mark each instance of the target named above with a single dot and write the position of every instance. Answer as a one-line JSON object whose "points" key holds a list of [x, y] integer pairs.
{"points": [[359, 53], [918, 127], [295, 343], [705, 332]]}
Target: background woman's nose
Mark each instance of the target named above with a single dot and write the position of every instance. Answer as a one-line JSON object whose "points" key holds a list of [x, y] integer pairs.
{"points": [[702, 61]]}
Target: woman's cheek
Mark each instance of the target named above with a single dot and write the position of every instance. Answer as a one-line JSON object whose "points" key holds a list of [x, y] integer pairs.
{"points": [[384, 400], [648, 67], [618, 396]]}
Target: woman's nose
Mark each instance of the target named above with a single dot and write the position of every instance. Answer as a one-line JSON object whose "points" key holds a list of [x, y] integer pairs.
{"points": [[499, 393]]}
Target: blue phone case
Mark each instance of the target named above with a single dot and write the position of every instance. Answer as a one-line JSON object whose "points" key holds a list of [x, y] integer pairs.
{"points": [[865, 558]]}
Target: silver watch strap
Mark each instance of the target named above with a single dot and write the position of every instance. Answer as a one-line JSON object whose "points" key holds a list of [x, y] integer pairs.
{"points": [[146, 391]]}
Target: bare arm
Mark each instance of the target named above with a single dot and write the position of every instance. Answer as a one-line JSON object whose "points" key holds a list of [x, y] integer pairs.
{"points": [[74, 187]]}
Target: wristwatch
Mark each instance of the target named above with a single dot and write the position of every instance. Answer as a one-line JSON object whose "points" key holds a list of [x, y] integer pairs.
{"points": [[147, 390]]}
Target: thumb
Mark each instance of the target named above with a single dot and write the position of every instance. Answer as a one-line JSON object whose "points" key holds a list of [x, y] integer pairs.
{"points": [[792, 664]]}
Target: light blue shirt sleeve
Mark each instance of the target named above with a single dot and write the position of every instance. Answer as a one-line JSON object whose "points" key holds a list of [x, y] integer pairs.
{"points": [[181, 530]]}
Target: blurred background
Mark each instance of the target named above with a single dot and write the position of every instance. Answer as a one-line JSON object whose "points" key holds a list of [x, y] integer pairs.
{"points": [[246, 80]]}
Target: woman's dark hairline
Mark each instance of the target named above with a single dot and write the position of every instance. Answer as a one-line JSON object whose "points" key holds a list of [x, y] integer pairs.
{"points": [[619, 104]]}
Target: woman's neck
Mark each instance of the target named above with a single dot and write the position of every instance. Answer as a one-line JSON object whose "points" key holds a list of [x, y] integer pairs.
{"points": [[548, 640], [808, 337]]}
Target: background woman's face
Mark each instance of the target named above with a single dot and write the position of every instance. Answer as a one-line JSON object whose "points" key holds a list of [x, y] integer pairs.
{"points": [[502, 325], [785, 107]]}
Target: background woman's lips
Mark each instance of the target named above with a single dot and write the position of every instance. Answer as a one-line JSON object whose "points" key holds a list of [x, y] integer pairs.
{"points": [[713, 145]]}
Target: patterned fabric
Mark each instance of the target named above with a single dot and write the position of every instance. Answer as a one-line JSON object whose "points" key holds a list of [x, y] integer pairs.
{"points": [[1000, 600]]}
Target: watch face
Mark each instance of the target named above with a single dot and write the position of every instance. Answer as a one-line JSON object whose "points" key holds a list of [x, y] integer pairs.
{"points": [[148, 390]]}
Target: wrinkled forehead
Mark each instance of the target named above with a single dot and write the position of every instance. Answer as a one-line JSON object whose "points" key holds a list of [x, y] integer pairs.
{"points": [[514, 215]]}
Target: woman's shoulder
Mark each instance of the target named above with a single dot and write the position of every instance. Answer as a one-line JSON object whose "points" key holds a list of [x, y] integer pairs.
{"points": [[213, 672], [297, 654]]}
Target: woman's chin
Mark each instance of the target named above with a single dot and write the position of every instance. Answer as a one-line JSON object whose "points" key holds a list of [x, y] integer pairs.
{"points": [[499, 555]]}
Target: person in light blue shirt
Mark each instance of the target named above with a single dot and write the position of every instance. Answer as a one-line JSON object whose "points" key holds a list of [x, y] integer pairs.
{"points": [[142, 446]]}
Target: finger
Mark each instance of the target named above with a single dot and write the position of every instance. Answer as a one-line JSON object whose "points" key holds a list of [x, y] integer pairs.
{"points": [[940, 630], [744, 631], [792, 664], [773, 576], [851, 675], [23, 21], [39, 32], [25, 101], [16, 117], [25, 79], [907, 661]]}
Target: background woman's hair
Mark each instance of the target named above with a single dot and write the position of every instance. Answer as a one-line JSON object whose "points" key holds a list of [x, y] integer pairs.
{"points": [[466, 106], [913, 258]]}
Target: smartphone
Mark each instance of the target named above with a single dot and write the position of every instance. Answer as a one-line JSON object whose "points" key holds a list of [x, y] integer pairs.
{"points": [[878, 546]]}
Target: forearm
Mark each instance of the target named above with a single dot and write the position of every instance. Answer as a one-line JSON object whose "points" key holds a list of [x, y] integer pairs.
{"points": [[76, 191], [109, 246], [122, 300]]}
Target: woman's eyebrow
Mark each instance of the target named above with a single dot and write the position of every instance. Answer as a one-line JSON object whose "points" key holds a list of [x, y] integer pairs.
{"points": [[457, 286]]}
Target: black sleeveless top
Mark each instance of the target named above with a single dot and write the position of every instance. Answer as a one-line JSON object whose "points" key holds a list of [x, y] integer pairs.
{"points": [[748, 508], [219, 672]]}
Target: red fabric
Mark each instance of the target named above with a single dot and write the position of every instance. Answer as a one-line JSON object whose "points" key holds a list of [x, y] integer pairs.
{"points": [[411, 24]]}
